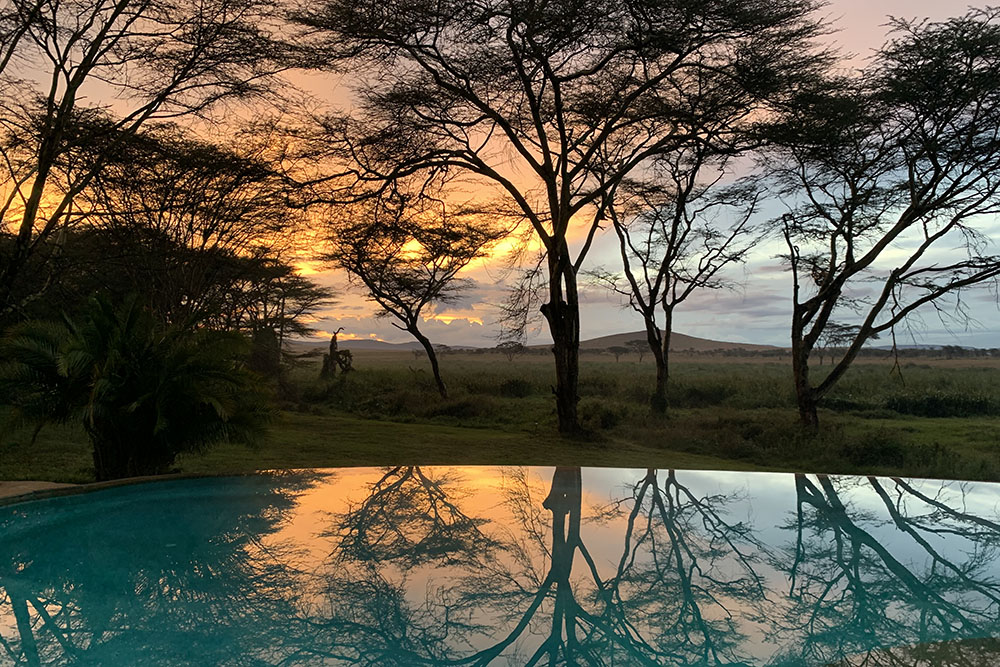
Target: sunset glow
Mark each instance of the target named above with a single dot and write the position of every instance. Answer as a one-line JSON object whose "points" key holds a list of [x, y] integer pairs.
{"points": [[494, 332]]}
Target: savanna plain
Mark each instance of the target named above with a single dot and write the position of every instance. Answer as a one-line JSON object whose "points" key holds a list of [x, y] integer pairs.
{"points": [[929, 416]]}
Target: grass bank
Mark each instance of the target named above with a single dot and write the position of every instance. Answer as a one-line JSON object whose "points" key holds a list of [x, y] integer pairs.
{"points": [[939, 419]]}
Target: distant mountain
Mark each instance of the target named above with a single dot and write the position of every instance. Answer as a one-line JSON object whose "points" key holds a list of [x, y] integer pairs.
{"points": [[356, 344], [678, 342], [923, 347], [370, 344]]}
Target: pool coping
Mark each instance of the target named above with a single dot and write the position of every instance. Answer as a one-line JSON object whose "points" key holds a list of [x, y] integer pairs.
{"points": [[59, 489], [46, 490]]}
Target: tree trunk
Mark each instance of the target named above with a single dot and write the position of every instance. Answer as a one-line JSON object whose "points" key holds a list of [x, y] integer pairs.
{"points": [[562, 312], [804, 394], [563, 319], [565, 502], [432, 357], [110, 462], [29, 647], [120, 453], [661, 352]]}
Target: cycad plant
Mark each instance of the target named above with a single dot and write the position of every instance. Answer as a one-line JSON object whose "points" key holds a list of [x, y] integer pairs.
{"points": [[144, 391]]}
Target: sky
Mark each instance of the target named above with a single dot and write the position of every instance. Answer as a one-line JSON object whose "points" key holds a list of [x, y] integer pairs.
{"points": [[758, 311]]}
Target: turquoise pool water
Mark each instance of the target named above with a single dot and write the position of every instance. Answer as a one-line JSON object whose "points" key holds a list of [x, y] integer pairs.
{"points": [[505, 566]]}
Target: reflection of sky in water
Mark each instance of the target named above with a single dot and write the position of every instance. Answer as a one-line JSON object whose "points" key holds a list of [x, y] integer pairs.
{"points": [[457, 565]]}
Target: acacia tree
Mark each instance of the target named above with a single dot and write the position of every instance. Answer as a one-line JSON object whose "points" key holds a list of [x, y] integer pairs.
{"points": [[407, 250], [270, 295], [148, 58], [201, 231], [676, 233], [191, 221], [549, 105], [890, 172]]}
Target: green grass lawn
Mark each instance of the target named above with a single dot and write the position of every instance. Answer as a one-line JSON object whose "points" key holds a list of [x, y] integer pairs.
{"points": [[939, 420]]}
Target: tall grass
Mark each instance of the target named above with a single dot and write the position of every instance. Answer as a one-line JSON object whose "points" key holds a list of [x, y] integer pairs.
{"points": [[742, 411], [511, 391]]}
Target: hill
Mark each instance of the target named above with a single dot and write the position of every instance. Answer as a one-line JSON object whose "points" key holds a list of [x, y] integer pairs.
{"points": [[678, 342], [319, 346]]}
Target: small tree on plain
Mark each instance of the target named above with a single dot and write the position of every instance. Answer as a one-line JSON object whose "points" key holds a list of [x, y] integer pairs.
{"points": [[640, 347], [677, 233], [618, 351], [511, 349], [406, 251]]}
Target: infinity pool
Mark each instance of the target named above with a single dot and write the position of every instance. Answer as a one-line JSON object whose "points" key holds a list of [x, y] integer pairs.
{"points": [[505, 566]]}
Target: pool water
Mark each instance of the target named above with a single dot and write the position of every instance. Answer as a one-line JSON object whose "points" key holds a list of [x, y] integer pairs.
{"points": [[505, 566]]}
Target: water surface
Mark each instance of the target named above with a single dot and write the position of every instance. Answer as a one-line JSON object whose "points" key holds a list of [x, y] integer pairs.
{"points": [[505, 566]]}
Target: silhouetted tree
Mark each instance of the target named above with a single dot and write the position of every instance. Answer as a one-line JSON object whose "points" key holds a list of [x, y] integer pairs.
{"points": [[889, 172], [550, 105], [158, 59], [618, 351], [676, 233], [511, 349], [640, 347], [161, 193], [406, 250]]}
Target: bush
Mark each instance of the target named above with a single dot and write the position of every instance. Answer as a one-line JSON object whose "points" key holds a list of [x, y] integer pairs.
{"points": [[943, 404], [877, 450], [145, 392], [460, 409], [515, 388], [701, 395], [596, 415], [847, 403]]}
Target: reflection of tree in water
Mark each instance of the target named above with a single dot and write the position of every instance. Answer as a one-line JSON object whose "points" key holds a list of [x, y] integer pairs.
{"points": [[848, 593], [958, 653], [362, 614], [688, 586], [409, 518], [417, 576], [686, 574], [193, 583], [666, 602]]}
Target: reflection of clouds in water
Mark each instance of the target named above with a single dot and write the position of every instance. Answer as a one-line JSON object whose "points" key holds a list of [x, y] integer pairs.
{"points": [[410, 565]]}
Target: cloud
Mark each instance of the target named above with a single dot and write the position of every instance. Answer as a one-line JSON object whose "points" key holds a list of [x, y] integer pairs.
{"points": [[758, 311], [458, 331]]}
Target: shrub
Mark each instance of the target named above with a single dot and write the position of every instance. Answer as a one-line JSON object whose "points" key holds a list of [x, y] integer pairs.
{"points": [[701, 395], [943, 404], [145, 392], [515, 388], [461, 409], [876, 450], [600, 415], [847, 403]]}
